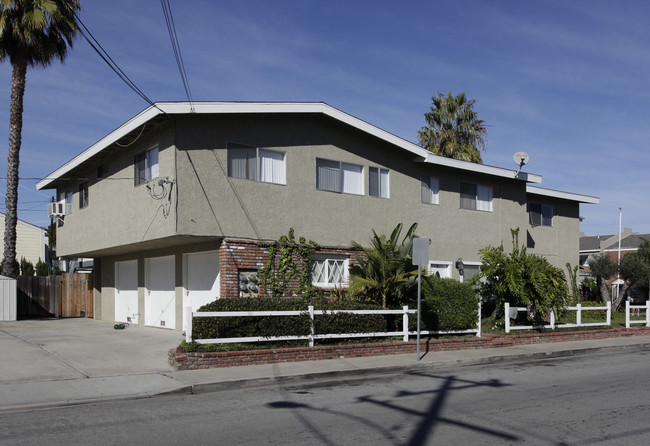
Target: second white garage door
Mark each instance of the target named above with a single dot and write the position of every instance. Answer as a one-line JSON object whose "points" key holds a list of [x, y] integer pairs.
{"points": [[160, 292]]}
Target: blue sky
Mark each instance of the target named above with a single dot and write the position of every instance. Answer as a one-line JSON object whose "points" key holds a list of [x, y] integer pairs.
{"points": [[566, 82]]}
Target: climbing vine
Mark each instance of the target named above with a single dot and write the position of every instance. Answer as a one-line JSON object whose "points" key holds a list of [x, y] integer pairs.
{"points": [[288, 270]]}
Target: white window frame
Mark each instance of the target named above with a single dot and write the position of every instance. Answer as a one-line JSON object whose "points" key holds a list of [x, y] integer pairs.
{"points": [[348, 177], [318, 262], [65, 197], [262, 164], [482, 200], [84, 198], [541, 218], [472, 264], [444, 269], [146, 166], [381, 188], [430, 189]]}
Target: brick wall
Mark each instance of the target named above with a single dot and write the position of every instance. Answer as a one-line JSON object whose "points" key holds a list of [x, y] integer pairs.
{"points": [[193, 361], [238, 255]]}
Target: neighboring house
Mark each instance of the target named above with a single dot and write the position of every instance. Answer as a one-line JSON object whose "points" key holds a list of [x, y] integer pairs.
{"points": [[173, 204], [608, 245], [31, 241]]}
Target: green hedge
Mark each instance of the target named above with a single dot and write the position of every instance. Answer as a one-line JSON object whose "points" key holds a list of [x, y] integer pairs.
{"points": [[271, 326], [447, 305], [346, 322]]}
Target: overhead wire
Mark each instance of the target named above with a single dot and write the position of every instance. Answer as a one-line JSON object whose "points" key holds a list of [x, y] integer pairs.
{"points": [[95, 45], [173, 36]]}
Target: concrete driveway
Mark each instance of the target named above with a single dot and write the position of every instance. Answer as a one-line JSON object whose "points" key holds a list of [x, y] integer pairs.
{"points": [[63, 349]]}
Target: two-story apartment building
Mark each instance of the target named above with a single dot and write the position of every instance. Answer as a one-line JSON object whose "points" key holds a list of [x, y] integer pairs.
{"points": [[173, 204]]}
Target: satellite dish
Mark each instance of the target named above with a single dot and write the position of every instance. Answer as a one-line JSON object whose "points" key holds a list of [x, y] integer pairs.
{"points": [[521, 159]]}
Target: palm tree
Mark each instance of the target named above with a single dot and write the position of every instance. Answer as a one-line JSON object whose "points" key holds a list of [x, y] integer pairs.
{"points": [[453, 129], [602, 267], [32, 33], [385, 270]]}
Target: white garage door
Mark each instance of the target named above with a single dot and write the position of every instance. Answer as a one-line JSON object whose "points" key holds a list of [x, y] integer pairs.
{"points": [[160, 294], [201, 279], [126, 291]]}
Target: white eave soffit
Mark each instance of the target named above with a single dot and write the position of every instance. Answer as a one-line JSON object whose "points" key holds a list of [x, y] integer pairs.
{"points": [[149, 113], [562, 195]]}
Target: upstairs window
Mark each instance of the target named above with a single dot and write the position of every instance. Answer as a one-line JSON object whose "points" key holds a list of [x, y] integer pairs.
{"points": [[378, 182], [430, 189], [540, 214], [83, 195], [476, 197], [258, 164], [329, 272], [337, 176], [146, 166]]}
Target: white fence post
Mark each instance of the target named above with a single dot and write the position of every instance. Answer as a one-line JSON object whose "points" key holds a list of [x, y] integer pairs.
{"points": [[627, 314], [552, 319], [478, 329], [579, 315], [647, 313], [609, 312], [507, 317], [188, 324], [311, 316], [405, 322]]}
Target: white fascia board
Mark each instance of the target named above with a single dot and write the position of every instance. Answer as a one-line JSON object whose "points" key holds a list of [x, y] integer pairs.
{"points": [[563, 195], [482, 168], [100, 145], [278, 107]]}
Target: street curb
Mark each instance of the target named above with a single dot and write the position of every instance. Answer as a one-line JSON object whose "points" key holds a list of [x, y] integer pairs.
{"points": [[203, 388], [182, 390]]}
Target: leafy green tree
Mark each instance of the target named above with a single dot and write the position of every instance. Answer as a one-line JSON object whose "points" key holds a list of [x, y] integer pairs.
{"points": [[644, 251], [602, 268], [385, 272], [634, 271], [521, 279], [453, 129], [32, 33]]}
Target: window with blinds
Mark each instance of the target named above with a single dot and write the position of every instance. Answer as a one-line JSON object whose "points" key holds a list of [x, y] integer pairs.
{"points": [[256, 163], [337, 176]]}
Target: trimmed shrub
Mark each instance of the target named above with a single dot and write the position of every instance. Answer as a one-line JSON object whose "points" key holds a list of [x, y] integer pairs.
{"points": [[272, 326], [346, 322], [447, 305], [265, 326]]}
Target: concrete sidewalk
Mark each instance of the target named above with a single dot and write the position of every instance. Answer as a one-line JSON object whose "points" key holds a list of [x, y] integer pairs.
{"points": [[49, 363]]}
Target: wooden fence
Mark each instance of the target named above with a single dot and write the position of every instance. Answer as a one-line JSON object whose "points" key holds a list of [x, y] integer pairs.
{"points": [[67, 295]]}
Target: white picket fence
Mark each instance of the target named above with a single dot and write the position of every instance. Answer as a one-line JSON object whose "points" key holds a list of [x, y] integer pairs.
{"points": [[511, 313], [639, 309], [405, 333]]}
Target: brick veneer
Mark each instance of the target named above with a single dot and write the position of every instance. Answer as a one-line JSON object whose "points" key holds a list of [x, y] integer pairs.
{"points": [[238, 254], [193, 361]]}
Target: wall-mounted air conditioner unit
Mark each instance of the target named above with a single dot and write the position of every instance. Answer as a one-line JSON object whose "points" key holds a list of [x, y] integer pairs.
{"points": [[58, 209]]}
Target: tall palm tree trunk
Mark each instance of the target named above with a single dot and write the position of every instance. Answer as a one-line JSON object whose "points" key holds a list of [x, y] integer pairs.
{"points": [[18, 78]]}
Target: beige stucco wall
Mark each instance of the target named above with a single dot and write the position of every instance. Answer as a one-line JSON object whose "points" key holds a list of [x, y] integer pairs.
{"points": [[211, 203], [119, 213], [30, 241], [559, 243]]}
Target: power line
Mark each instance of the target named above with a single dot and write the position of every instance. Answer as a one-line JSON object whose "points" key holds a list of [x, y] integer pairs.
{"points": [[169, 19], [95, 45]]}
